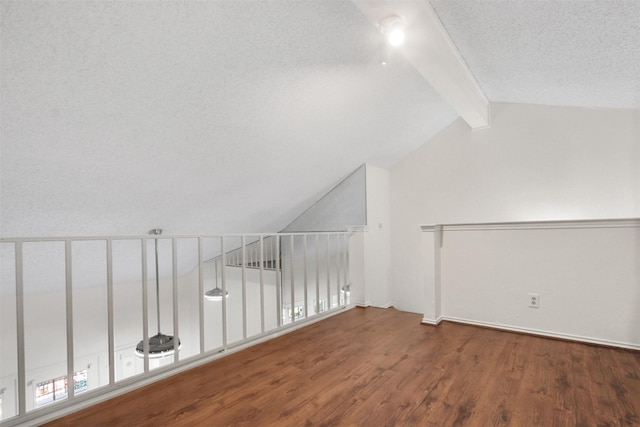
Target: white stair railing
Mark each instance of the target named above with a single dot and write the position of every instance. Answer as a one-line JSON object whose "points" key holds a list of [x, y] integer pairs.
{"points": [[74, 308]]}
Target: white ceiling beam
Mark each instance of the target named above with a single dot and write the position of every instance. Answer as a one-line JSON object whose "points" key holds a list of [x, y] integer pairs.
{"points": [[431, 51]]}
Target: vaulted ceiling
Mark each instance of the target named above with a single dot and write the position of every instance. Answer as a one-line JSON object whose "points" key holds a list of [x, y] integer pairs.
{"points": [[583, 53], [235, 116]]}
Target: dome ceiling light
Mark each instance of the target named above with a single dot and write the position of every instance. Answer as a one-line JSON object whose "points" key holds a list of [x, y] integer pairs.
{"points": [[392, 27]]}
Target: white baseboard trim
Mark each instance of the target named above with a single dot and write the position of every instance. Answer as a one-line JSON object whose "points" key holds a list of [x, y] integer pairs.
{"points": [[368, 304], [531, 331], [432, 322]]}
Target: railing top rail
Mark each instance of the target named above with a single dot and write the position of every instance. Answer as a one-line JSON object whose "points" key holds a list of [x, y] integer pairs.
{"points": [[541, 225], [165, 236]]}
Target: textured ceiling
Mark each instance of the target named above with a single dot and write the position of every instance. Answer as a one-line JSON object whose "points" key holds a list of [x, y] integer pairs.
{"points": [[218, 116], [551, 52], [195, 117], [230, 116]]}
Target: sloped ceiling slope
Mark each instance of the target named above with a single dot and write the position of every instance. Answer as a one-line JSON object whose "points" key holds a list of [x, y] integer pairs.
{"points": [[194, 117], [550, 52]]}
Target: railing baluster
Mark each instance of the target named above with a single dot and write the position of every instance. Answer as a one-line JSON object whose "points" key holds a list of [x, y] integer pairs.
{"points": [[22, 381], [110, 333], [243, 254], [69, 308], [176, 333], [328, 274], [337, 260], [347, 285], [317, 274], [200, 296], [345, 265], [224, 292], [293, 299], [261, 260], [278, 280], [145, 305], [305, 272]]}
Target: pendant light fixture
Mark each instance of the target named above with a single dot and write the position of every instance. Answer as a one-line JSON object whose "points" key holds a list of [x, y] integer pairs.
{"points": [[160, 345], [215, 294], [346, 289]]}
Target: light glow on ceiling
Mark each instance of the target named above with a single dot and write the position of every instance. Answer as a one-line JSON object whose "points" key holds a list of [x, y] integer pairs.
{"points": [[392, 27], [395, 37]]}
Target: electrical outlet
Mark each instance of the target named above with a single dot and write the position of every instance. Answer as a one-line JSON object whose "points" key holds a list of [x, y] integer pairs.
{"points": [[534, 300]]}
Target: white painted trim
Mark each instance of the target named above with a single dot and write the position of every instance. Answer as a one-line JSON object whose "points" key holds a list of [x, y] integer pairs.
{"points": [[433, 284], [363, 304], [538, 225], [357, 229], [387, 305], [171, 236], [431, 321], [432, 52], [478, 117], [538, 332], [488, 125]]}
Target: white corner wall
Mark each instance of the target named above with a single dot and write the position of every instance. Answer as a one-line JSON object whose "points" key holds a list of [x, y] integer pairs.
{"points": [[360, 199], [377, 239], [536, 163]]}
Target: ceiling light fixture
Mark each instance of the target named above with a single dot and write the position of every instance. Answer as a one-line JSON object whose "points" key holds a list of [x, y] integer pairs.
{"points": [[392, 27], [160, 345], [215, 294]]}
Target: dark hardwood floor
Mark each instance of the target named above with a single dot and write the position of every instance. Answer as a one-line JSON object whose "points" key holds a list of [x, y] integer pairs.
{"points": [[375, 367]]}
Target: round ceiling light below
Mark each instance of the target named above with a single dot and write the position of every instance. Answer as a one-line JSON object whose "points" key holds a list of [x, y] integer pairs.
{"points": [[160, 345], [215, 294]]}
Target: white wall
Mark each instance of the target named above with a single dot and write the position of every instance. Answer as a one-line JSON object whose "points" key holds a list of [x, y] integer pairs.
{"points": [[377, 239], [344, 207], [534, 163], [585, 275]]}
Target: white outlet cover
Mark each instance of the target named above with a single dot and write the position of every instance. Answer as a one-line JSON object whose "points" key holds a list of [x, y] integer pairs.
{"points": [[534, 300]]}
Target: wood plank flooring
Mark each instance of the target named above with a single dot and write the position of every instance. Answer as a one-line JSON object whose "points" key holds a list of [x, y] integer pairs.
{"points": [[376, 367]]}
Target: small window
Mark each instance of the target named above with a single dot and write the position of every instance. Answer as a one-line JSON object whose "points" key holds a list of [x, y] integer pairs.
{"points": [[298, 312], [80, 382], [56, 389], [44, 393]]}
